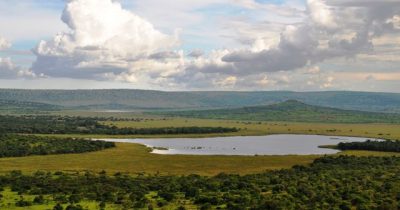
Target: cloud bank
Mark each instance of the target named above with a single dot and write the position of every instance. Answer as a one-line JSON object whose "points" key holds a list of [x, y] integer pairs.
{"points": [[107, 42]]}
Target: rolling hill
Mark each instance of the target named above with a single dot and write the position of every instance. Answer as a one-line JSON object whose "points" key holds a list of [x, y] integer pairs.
{"points": [[10, 106], [293, 111], [148, 99]]}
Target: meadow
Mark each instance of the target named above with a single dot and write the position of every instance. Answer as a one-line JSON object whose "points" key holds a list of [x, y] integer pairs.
{"points": [[134, 159], [257, 128]]}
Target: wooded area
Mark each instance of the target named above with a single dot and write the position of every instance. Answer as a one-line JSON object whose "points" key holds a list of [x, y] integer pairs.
{"points": [[47, 124], [343, 182], [25, 145]]}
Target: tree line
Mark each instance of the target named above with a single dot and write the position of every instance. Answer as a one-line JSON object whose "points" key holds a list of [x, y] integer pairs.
{"points": [[385, 146], [330, 182], [47, 124], [12, 145]]}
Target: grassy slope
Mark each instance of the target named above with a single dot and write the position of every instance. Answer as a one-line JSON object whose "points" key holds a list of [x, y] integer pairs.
{"points": [[293, 111], [134, 158]]}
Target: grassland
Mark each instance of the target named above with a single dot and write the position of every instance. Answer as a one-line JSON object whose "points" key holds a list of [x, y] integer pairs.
{"points": [[133, 158], [289, 111], [256, 128]]}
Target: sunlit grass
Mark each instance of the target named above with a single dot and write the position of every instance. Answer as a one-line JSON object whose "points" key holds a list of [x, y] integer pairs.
{"points": [[133, 158]]}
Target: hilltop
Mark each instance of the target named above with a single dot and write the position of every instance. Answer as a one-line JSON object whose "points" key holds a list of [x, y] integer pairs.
{"points": [[291, 110]]}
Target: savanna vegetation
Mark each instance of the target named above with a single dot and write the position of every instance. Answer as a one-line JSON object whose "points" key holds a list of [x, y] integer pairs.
{"points": [[47, 124], [290, 111], [134, 158], [252, 128], [41, 171], [341, 182], [12, 145], [385, 146]]}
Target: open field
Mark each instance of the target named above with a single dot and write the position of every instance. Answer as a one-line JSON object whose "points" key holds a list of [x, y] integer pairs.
{"points": [[249, 128], [133, 158], [289, 111]]}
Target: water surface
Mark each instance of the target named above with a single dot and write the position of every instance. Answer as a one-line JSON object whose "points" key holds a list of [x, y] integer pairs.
{"points": [[244, 145]]}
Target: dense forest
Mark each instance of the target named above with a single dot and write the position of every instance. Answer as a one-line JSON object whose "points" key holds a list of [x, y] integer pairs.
{"points": [[24, 145], [341, 182], [385, 146], [46, 124], [291, 111]]}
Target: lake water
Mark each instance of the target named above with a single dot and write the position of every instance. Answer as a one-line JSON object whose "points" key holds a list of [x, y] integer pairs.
{"points": [[244, 145]]}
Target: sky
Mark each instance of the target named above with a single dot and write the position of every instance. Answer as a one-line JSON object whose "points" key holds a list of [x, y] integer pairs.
{"points": [[240, 45]]}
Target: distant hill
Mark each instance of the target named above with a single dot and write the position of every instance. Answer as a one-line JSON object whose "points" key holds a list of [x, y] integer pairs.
{"points": [[148, 99], [293, 111]]}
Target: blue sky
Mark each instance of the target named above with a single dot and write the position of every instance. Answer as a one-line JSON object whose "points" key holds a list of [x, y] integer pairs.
{"points": [[303, 45]]}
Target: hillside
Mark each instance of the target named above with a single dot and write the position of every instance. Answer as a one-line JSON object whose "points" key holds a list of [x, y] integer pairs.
{"points": [[148, 99], [10, 106], [293, 111]]}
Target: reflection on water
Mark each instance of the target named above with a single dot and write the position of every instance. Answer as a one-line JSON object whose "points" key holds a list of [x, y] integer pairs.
{"points": [[244, 145]]}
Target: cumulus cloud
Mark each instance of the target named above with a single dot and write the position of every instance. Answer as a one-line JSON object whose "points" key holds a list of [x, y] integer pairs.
{"points": [[104, 39], [321, 14], [107, 42], [341, 29], [4, 44], [8, 70]]}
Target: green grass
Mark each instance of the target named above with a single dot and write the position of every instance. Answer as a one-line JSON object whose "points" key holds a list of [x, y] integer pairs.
{"points": [[10, 198], [133, 158], [255, 128], [290, 111]]}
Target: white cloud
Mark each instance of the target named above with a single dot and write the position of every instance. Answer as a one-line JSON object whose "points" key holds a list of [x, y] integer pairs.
{"points": [[226, 82], [104, 39], [107, 42], [321, 14], [328, 82], [4, 44], [314, 70], [338, 30], [8, 70]]}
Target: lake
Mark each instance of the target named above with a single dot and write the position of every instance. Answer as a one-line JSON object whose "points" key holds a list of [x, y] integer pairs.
{"points": [[244, 145]]}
